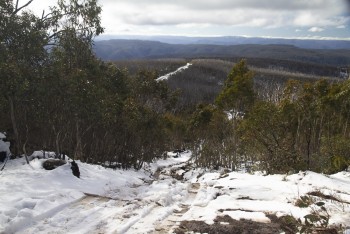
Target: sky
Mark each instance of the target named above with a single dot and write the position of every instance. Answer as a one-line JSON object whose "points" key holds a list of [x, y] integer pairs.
{"points": [[322, 19]]}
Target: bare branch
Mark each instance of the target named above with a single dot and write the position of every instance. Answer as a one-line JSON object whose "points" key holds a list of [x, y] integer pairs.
{"points": [[25, 5], [56, 33]]}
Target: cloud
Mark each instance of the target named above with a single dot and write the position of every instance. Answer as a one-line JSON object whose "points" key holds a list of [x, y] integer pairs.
{"points": [[234, 4], [316, 29], [253, 13], [341, 26], [140, 16]]}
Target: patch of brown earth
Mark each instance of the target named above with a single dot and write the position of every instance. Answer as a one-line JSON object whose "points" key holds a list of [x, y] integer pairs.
{"points": [[227, 225]]}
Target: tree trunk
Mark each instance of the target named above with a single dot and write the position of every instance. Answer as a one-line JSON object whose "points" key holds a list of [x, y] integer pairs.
{"points": [[25, 144], [14, 126], [78, 147], [57, 142]]}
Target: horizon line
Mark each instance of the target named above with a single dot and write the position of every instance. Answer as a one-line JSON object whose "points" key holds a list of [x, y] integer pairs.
{"points": [[319, 38]]}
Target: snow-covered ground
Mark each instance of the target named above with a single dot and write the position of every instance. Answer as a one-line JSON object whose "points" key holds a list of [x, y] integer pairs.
{"points": [[165, 77], [4, 146], [155, 199]]}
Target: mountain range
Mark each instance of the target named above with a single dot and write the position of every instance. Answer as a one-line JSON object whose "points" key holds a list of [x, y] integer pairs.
{"points": [[126, 49], [238, 40]]}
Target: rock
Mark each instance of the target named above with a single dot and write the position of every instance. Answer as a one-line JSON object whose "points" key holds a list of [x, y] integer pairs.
{"points": [[51, 164], [3, 156], [75, 169]]}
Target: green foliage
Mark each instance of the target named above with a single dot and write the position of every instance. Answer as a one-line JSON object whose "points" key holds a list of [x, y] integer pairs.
{"points": [[213, 138], [268, 132], [295, 133], [304, 201], [58, 96], [202, 116], [289, 224], [318, 218], [238, 93], [176, 131], [216, 139], [307, 129], [335, 150]]}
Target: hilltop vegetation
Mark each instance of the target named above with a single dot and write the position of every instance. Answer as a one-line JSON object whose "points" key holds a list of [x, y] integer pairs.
{"points": [[285, 127], [202, 81]]}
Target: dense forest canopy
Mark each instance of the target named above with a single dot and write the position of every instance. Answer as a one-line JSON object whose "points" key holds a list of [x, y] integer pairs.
{"points": [[56, 95]]}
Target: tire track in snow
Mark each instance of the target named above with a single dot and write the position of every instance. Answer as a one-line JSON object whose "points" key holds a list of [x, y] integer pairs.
{"points": [[160, 213], [22, 226], [147, 208], [86, 215], [171, 222], [150, 211]]}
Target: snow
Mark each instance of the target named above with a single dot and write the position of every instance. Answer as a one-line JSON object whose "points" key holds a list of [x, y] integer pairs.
{"points": [[165, 77], [5, 147], [30, 194], [234, 114], [255, 216], [155, 199], [2, 136]]}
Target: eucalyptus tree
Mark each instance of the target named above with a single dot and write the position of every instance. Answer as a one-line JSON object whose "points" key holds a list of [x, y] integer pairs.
{"points": [[30, 44], [238, 92]]}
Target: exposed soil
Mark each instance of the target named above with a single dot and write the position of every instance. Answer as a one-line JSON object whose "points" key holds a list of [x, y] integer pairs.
{"points": [[227, 225]]}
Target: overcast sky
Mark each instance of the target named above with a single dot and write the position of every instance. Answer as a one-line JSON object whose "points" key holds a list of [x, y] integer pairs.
{"points": [[264, 18]]}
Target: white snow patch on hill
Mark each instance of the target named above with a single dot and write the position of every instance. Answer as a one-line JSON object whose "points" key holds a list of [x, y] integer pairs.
{"points": [[165, 77]]}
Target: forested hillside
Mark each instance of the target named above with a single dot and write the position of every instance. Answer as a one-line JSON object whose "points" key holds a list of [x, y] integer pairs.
{"points": [[204, 79], [62, 98], [136, 49], [235, 40]]}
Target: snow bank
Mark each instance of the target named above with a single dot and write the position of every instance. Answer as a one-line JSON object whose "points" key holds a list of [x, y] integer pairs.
{"points": [[4, 146], [34, 200], [2, 136], [29, 193], [170, 161], [243, 195]]}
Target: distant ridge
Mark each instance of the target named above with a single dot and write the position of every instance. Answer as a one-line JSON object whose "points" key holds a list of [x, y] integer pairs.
{"points": [[239, 40], [120, 49]]}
